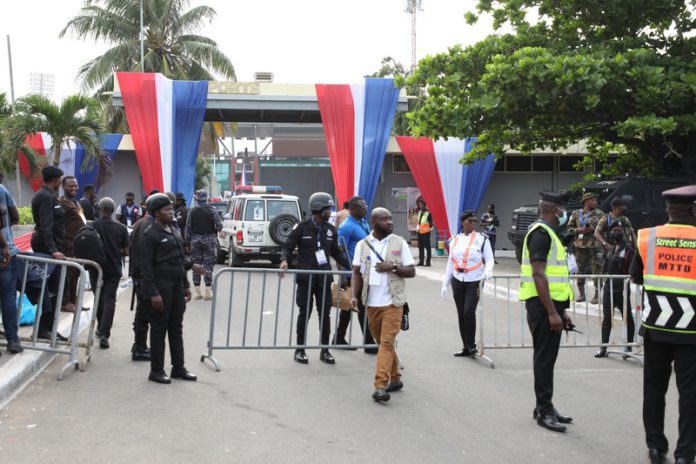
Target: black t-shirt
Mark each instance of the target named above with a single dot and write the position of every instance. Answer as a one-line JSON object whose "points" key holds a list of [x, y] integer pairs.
{"points": [[538, 244], [114, 236]]}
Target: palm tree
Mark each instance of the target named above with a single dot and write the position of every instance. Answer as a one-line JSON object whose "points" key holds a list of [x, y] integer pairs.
{"points": [[11, 144], [76, 119], [172, 46]]}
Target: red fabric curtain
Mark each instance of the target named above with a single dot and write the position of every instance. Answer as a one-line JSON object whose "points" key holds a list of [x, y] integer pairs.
{"points": [[35, 141], [140, 101], [338, 118], [420, 156]]}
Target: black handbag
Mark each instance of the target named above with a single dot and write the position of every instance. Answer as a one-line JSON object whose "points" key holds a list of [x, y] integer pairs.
{"points": [[404, 318]]}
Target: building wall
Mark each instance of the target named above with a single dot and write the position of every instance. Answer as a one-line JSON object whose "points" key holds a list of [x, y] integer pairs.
{"points": [[299, 181]]}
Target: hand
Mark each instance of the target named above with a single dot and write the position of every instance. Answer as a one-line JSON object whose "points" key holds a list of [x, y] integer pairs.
{"points": [[567, 322], [58, 255], [5, 257], [187, 294], [383, 266], [354, 304], [188, 249], [606, 246], [487, 275], [443, 292], [283, 267], [156, 302], [198, 269], [555, 322]]}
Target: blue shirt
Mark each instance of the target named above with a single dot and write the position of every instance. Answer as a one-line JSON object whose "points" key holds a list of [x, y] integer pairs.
{"points": [[351, 232], [6, 201]]}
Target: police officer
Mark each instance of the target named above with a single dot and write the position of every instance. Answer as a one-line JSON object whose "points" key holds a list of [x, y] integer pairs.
{"points": [[619, 206], [315, 239], [545, 289], [425, 225], [582, 224], [49, 235], [202, 225], [165, 289], [140, 351], [666, 266]]}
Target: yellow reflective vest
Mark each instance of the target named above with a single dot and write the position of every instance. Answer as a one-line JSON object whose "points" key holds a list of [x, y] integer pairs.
{"points": [[556, 269]]}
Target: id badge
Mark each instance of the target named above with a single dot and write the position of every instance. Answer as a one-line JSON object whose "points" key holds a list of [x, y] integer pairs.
{"points": [[321, 257], [128, 222], [580, 236]]}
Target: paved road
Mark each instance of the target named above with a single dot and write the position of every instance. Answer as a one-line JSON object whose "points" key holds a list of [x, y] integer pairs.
{"points": [[263, 407]]}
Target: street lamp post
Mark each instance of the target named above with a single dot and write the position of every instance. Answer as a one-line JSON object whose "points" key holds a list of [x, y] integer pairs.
{"points": [[142, 38]]}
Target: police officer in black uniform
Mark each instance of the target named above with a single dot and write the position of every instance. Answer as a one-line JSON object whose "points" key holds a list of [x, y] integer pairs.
{"points": [[48, 237], [315, 239], [140, 351], [666, 266], [165, 289]]}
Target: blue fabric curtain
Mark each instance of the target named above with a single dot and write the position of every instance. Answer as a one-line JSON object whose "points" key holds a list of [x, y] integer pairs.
{"points": [[189, 100], [95, 175], [477, 176], [380, 106]]}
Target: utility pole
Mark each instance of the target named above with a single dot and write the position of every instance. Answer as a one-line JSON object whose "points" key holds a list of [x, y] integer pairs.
{"points": [[412, 8], [142, 39], [12, 102]]}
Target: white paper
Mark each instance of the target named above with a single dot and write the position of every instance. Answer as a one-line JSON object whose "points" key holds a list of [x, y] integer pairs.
{"points": [[321, 257]]}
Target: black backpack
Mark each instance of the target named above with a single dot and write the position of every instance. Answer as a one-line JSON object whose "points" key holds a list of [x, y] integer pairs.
{"points": [[88, 245]]}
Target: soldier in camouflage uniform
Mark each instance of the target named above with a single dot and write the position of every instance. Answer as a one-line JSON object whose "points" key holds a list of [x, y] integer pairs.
{"points": [[202, 225], [582, 224], [617, 214]]}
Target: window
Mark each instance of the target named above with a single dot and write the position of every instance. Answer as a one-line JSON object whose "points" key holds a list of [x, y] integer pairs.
{"points": [[238, 207], [637, 199], [566, 163], [278, 207], [500, 164], [255, 210], [400, 165], [518, 164], [543, 163]]}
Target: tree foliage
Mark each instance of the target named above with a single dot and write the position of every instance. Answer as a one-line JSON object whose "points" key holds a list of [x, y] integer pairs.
{"points": [[11, 144], [620, 74]]}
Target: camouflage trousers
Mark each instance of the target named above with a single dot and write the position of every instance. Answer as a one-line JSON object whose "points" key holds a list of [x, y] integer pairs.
{"points": [[204, 252], [588, 263]]}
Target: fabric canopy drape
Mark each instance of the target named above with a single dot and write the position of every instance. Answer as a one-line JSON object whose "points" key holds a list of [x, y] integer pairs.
{"points": [[420, 156], [357, 122], [39, 142]]}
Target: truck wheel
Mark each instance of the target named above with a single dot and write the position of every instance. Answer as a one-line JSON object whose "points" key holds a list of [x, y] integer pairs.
{"points": [[234, 259], [221, 256], [280, 227], [518, 254]]}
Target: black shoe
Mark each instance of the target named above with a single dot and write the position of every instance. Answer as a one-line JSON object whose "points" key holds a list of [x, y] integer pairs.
{"points": [[557, 415], [183, 374], [14, 346], [601, 353], [159, 377], [427, 265], [656, 456], [143, 354], [326, 357], [97, 333], [338, 341], [463, 352], [381, 395], [301, 357], [394, 386], [46, 335], [419, 264], [550, 422], [683, 460], [371, 350], [472, 351], [103, 342]]}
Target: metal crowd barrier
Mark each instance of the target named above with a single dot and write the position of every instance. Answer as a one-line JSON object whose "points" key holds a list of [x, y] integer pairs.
{"points": [[259, 311], [39, 266], [502, 324]]}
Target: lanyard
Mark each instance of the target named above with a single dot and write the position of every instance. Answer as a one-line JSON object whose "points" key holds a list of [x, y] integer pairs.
{"points": [[608, 221], [584, 218]]}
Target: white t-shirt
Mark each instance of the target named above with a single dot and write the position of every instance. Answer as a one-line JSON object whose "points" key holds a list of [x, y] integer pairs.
{"points": [[378, 293]]}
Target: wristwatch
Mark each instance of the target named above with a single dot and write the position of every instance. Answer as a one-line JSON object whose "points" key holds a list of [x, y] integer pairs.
{"points": [[394, 267]]}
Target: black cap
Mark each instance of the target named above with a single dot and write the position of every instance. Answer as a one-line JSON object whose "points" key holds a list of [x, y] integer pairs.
{"points": [[560, 198], [51, 172], [618, 201], [153, 191], [467, 214], [180, 196], [157, 201], [683, 195]]}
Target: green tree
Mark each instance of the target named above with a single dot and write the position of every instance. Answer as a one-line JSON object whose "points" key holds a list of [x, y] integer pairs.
{"points": [[172, 45], [76, 119], [204, 173], [619, 74], [11, 144]]}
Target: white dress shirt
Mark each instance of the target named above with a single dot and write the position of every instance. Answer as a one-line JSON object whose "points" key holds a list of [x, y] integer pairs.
{"points": [[480, 251]]}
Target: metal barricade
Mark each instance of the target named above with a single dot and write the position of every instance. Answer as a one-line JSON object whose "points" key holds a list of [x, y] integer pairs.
{"points": [[49, 290], [259, 311], [502, 322]]}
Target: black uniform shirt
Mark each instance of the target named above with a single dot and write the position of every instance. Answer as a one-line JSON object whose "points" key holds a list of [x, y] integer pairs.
{"points": [[134, 269], [114, 236], [538, 245], [161, 259], [49, 217], [304, 238]]}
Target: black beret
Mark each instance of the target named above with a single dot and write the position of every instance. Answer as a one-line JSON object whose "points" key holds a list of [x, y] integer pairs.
{"points": [[51, 172], [157, 201], [618, 201], [560, 198], [684, 195], [180, 196], [467, 214]]}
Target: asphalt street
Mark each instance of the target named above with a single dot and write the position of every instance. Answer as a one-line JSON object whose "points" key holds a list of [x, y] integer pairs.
{"points": [[263, 407]]}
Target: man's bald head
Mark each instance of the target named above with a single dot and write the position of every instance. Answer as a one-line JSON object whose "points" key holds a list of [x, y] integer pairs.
{"points": [[379, 212], [106, 207]]}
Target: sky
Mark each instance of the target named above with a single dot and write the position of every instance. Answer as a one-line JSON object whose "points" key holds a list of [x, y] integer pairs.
{"points": [[299, 41]]}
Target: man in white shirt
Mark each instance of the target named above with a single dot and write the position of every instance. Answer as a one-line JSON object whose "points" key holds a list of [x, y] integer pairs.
{"points": [[380, 264], [470, 260]]}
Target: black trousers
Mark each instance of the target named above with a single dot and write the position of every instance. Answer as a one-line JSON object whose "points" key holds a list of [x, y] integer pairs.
{"points": [[546, 345], [608, 310], [424, 248], [659, 358], [344, 322], [167, 322], [141, 324], [307, 292], [106, 306], [466, 297], [48, 305]]}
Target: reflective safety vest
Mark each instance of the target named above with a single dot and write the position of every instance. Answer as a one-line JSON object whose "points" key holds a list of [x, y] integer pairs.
{"points": [[556, 269], [423, 224], [669, 258], [461, 265]]}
